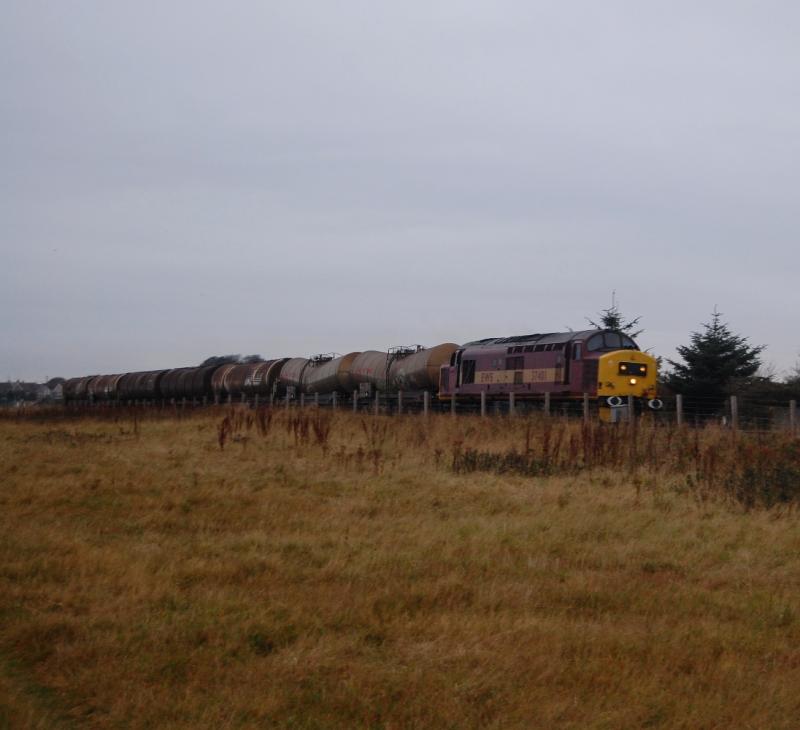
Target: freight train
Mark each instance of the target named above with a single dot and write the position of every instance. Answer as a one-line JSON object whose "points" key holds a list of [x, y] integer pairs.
{"points": [[605, 365]]}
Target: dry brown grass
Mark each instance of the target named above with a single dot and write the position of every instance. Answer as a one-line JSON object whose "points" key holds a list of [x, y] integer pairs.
{"points": [[308, 572]]}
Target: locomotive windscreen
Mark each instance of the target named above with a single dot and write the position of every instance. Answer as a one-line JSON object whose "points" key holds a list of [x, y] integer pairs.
{"points": [[633, 368]]}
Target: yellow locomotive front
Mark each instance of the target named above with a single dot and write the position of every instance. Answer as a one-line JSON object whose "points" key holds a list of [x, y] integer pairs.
{"points": [[624, 373]]}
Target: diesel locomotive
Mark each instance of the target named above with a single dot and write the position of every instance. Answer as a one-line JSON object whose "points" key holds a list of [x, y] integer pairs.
{"points": [[606, 365], [603, 364]]}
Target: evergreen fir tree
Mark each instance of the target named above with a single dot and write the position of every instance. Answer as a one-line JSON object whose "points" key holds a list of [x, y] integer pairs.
{"points": [[715, 359], [612, 319]]}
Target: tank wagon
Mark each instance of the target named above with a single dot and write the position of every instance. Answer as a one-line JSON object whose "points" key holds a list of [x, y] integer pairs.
{"points": [[411, 369], [290, 379], [419, 369], [604, 364], [140, 386], [370, 371], [173, 383], [103, 387], [329, 374], [219, 384], [248, 379], [77, 389]]}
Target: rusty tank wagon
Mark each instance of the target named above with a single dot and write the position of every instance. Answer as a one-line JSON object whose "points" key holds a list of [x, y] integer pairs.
{"points": [[329, 374], [77, 389], [291, 378], [419, 369], [370, 371], [246, 379], [140, 386]]}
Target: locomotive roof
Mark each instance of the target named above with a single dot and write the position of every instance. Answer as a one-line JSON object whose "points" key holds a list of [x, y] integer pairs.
{"points": [[542, 339]]}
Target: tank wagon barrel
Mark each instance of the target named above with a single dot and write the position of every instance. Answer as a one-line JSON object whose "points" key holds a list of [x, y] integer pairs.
{"points": [[104, 387], [329, 375], [255, 378], [141, 385], [219, 379], [409, 369], [370, 367], [126, 386], [77, 388], [420, 370], [170, 383], [292, 373], [261, 377], [186, 383], [200, 384]]}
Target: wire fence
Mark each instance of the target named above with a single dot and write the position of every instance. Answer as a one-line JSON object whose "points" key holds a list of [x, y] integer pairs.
{"points": [[735, 412]]}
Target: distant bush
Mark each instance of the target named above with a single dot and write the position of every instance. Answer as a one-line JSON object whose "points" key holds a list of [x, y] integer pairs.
{"points": [[765, 475]]}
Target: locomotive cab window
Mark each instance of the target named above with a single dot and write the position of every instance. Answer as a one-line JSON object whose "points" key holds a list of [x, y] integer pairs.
{"points": [[610, 341], [632, 368], [467, 372]]}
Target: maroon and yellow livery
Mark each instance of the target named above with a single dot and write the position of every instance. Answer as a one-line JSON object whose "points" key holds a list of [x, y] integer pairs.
{"points": [[601, 363]]}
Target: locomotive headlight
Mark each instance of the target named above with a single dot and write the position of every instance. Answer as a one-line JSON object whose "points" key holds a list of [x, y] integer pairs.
{"points": [[633, 381]]}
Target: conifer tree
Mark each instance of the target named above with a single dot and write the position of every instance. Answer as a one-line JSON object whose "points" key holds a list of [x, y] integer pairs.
{"points": [[712, 362], [612, 319]]}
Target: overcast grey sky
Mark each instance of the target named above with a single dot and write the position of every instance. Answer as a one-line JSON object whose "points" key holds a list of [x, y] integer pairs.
{"points": [[181, 179]]}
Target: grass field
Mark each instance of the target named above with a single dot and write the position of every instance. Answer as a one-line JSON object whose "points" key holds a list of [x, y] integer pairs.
{"points": [[236, 569]]}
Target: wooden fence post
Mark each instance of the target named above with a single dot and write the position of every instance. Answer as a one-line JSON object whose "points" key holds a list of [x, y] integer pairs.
{"points": [[631, 410], [679, 409], [547, 403], [426, 402], [302, 400], [793, 416], [355, 401], [377, 402], [483, 404], [333, 400], [511, 409], [586, 408], [734, 412], [453, 404], [399, 402]]}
